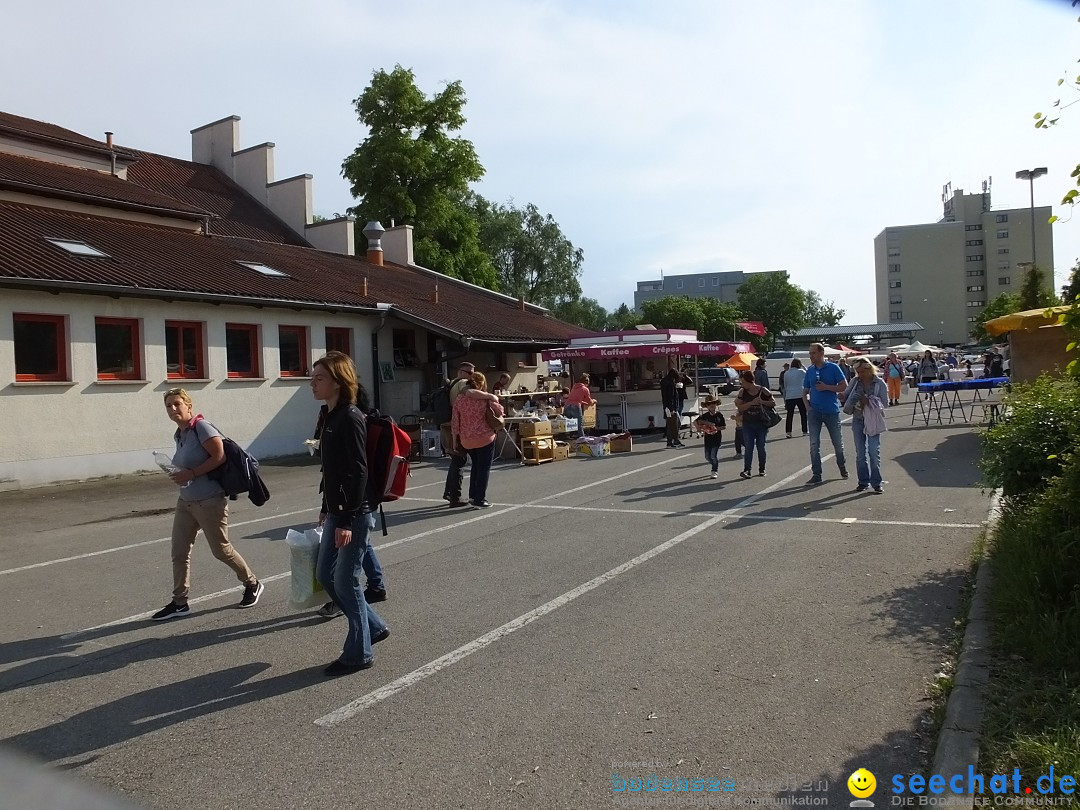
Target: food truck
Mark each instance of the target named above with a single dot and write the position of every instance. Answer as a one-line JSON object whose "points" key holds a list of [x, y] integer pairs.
{"points": [[626, 369]]}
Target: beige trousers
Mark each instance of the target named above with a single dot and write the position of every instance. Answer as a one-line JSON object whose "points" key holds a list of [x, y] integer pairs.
{"points": [[212, 516]]}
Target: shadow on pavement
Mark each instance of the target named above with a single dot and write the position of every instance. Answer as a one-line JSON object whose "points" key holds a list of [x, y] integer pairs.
{"points": [[50, 667], [927, 468], [157, 708]]}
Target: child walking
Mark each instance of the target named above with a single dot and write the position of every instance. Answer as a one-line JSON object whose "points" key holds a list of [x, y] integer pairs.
{"points": [[710, 424]]}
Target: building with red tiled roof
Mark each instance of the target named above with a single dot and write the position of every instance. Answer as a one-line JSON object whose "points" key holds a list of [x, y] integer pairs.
{"points": [[126, 273]]}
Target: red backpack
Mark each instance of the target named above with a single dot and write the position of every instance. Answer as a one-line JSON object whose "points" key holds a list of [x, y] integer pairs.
{"points": [[388, 448]]}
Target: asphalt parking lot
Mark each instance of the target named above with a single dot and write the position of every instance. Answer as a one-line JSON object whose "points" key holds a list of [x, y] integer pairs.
{"points": [[608, 620]]}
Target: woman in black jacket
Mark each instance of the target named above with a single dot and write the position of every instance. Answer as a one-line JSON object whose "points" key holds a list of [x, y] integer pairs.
{"points": [[345, 515]]}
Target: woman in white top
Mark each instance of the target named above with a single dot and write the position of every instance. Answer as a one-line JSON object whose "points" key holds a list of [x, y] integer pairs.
{"points": [[793, 394]]}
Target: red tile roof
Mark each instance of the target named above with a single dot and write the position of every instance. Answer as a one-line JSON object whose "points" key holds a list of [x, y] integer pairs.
{"points": [[40, 130], [211, 190], [157, 261], [46, 177]]}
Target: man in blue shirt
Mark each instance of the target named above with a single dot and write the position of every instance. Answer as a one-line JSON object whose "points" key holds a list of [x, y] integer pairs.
{"points": [[823, 382]]}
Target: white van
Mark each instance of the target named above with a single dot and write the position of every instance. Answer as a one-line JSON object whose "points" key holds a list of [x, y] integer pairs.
{"points": [[775, 364]]}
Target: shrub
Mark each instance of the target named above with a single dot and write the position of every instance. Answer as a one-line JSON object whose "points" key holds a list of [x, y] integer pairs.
{"points": [[1036, 557], [1023, 452]]}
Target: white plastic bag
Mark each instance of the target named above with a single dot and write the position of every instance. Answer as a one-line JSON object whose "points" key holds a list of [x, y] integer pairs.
{"points": [[874, 417], [306, 590]]}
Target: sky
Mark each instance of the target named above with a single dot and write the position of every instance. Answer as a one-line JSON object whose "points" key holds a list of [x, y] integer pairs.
{"points": [[690, 136]]}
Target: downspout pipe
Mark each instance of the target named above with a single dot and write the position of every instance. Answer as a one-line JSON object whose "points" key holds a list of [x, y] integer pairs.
{"points": [[376, 376]]}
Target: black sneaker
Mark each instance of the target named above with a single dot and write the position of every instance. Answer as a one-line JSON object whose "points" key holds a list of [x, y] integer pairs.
{"points": [[372, 595], [878, 490], [862, 487], [385, 634], [251, 594], [814, 479], [454, 504], [843, 472], [480, 504], [171, 611], [339, 668], [331, 611]]}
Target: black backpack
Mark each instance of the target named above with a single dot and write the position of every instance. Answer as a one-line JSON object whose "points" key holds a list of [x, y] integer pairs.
{"points": [[239, 474], [440, 404]]}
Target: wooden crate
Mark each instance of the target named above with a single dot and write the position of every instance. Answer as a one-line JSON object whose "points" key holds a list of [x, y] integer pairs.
{"points": [[537, 450]]}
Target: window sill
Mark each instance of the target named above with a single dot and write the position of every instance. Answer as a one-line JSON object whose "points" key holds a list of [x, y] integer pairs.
{"points": [[291, 377], [243, 379], [121, 382], [174, 380], [40, 383]]}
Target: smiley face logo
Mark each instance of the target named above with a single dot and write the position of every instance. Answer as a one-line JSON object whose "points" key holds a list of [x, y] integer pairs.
{"points": [[861, 783]]}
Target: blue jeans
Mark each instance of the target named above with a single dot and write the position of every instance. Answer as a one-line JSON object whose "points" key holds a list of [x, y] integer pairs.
{"points": [[754, 436], [712, 455], [573, 411], [481, 471], [339, 571], [815, 419], [866, 446]]}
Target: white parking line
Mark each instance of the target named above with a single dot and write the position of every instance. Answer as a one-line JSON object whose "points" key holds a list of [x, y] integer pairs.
{"points": [[405, 681], [705, 513], [309, 511], [483, 516]]}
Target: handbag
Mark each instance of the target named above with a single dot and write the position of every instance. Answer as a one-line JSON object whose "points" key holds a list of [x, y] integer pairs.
{"points": [[494, 421]]}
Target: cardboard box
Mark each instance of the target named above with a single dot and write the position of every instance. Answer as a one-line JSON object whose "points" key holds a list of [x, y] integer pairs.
{"points": [[588, 418], [529, 429], [562, 451], [623, 444], [597, 450]]}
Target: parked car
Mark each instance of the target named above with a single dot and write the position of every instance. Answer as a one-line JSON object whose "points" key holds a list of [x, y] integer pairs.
{"points": [[724, 379]]}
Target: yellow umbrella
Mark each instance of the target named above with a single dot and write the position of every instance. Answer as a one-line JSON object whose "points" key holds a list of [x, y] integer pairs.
{"points": [[1027, 320]]}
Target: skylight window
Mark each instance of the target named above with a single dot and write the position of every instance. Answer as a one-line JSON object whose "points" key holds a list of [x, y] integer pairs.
{"points": [[78, 248], [264, 269]]}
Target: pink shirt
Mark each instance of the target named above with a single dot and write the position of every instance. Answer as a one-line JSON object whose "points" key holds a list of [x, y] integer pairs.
{"points": [[579, 395], [469, 424]]}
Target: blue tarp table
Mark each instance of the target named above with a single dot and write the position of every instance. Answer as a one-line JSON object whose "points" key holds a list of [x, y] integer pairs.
{"points": [[946, 394]]}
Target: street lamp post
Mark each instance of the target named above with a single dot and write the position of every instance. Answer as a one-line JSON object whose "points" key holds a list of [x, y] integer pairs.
{"points": [[1030, 175]]}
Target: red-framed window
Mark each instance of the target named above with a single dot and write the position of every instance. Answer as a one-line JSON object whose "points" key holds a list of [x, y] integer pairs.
{"points": [[119, 350], [242, 349], [292, 351], [184, 350], [339, 339], [40, 347]]}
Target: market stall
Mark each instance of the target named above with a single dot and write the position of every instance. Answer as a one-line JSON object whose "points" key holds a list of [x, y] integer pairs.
{"points": [[626, 369]]}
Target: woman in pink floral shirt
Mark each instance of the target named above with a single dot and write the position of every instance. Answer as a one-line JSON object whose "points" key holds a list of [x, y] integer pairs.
{"points": [[471, 432]]}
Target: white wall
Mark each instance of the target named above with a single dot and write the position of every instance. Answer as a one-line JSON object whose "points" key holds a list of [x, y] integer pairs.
{"points": [[86, 428]]}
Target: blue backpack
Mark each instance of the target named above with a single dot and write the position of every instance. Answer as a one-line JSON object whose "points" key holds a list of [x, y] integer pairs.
{"points": [[239, 474]]}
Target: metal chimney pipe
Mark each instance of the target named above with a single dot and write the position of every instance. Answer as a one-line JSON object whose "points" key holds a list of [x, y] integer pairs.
{"points": [[374, 231]]}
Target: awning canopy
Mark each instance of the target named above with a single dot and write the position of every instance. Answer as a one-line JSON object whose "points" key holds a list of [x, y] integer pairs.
{"points": [[1028, 319], [743, 361], [622, 351]]}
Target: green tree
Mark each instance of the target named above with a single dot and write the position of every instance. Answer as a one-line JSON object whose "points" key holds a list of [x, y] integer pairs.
{"points": [[622, 318], [820, 313], [772, 299], [1002, 305], [411, 170], [719, 319], [674, 312], [1034, 292], [530, 254], [1072, 288], [587, 313]]}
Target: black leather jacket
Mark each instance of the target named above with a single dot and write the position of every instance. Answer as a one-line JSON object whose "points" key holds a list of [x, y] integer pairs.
{"points": [[343, 447]]}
